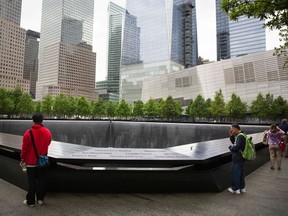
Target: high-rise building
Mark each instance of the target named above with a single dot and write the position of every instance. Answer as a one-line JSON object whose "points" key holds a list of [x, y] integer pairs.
{"points": [[67, 63], [163, 35], [236, 38], [12, 46], [31, 59]]}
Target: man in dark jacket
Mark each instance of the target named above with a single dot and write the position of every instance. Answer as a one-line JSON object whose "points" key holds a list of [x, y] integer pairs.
{"points": [[36, 176], [238, 181], [284, 126]]}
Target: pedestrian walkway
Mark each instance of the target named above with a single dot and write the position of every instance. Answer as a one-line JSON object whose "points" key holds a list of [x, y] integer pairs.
{"points": [[267, 194]]}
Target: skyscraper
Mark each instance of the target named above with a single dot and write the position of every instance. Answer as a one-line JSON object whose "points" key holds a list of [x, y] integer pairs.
{"points": [[66, 61], [165, 39], [12, 46], [236, 38], [31, 59]]}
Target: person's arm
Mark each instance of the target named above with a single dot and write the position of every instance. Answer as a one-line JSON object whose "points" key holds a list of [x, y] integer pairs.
{"points": [[25, 141], [240, 141]]}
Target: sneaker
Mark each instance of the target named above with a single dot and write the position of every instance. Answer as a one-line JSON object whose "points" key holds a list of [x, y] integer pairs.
{"points": [[272, 168], [243, 190], [40, 202], [279, 168], [26, 203], [232, 191]]}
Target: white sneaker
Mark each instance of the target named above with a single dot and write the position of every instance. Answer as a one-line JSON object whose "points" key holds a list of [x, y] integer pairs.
{"points": [[25, 203], [40, 202], [243, 190], [232, 191]]}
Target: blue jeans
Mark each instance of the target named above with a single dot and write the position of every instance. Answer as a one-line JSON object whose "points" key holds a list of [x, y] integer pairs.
{"points": [[238, 181]]}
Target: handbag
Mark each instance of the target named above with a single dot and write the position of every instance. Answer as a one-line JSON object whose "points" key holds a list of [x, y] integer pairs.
{"points": [[42, 160], [282, 145]]}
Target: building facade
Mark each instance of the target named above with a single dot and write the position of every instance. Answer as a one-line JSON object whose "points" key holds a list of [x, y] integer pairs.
{"points": [[164, 37], [67, 63], [236, 38], [246, 76], [12, 46], [31, 59]]}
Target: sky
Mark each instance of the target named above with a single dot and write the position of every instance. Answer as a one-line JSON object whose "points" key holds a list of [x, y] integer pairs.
{"points": [[206, 29]]}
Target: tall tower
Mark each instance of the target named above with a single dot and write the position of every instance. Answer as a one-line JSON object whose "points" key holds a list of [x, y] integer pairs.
{"points": [[166, 40], [236, 38], [12, 46], [66, 61], [31, 59]]}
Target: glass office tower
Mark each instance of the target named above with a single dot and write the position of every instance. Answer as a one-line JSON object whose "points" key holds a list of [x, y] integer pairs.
{"points": [[164, 40], [66, 61], [236, 38]]}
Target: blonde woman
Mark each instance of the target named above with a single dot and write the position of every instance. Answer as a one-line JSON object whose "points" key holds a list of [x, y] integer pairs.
{"points": [[274, 137]]}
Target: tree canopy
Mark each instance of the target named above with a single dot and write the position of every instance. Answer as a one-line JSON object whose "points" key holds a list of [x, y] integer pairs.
{"points": [[274, 12]]}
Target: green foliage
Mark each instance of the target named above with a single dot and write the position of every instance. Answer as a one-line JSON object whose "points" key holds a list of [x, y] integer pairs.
{"points": [[138, 108], [198, 107], [111, 109], [160, 107], [25, 106], [60, 104], [6, 103], [150, 108], [82, 107], [274, 12], [279, 108], [15, 95], [47, 106], [217, 107], [123, 109], [98, 108], [171, 108], [235, 107]]}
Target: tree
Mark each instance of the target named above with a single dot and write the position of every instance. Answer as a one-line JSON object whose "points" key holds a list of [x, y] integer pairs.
{"points": [[82, 107], [111, 109], [198, 108], [279, 107], [6, 103], [150, 108], [15, 95], [123, 109], [274, 12], [71, 106], [47, 105], [60, 105], [217, 107], [138, 108], [258, 106], [98, 108], [160, 107], [25, 106], [235, 107], [171, 108]]}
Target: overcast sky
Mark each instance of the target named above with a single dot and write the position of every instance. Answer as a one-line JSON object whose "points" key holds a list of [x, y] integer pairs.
{"points": [[206, 27]]}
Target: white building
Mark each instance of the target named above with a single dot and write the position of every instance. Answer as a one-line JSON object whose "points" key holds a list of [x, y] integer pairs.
{"points": [[245, 76]]}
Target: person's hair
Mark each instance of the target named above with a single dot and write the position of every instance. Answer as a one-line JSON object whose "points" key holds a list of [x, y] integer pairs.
{"points": [[273, 128], [284, 121], [37, 118], [236, 126]]}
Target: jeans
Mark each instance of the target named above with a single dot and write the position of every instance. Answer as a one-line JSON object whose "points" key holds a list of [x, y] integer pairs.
{"points": [[238, 181], [36, 184]]}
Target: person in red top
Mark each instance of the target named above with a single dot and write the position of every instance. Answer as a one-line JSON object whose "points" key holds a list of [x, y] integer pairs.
{"points": [[36, 176]]}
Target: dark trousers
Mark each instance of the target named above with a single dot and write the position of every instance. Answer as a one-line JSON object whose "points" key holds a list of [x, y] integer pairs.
{"points": [[238, 180], [36, 184]]}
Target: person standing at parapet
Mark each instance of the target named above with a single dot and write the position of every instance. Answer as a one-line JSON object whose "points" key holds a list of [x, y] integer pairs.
{"points": [[237, 169], [274, 137], [284, 126], [36, 176]]}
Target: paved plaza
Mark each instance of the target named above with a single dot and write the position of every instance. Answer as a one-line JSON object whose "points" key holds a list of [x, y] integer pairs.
{"points": [[267, 194]]}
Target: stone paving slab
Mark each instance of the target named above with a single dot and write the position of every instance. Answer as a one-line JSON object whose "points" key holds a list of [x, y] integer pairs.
{"points": [[267, 194]]}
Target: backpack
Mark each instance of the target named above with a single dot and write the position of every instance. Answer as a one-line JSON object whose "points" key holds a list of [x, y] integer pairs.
{"points": [[249, 152]]}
